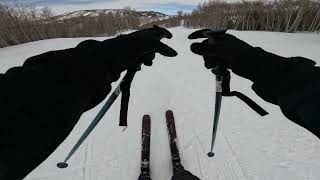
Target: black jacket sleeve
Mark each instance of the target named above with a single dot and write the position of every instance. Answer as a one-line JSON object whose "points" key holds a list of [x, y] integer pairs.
{"points": [[293, 84], [41, 101]]}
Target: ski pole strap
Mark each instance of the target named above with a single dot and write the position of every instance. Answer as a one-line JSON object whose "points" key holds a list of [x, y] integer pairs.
{"points": [[125, 89], [249, 102], [226, 92]]}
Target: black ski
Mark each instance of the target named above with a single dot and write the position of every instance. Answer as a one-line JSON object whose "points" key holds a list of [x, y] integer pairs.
{"points": [[145, 152], [171, 127], [179, 172]]}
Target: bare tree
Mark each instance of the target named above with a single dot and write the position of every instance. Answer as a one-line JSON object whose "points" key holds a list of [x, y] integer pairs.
{"points": [[278, 15]]}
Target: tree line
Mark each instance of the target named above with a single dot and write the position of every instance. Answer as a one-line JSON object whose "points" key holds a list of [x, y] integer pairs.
{"points": [[23, 23], [20, 23], [264, 15]]}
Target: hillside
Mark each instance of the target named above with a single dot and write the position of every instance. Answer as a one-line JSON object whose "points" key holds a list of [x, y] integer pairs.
{"points": [[17, 29], [144, 16]]}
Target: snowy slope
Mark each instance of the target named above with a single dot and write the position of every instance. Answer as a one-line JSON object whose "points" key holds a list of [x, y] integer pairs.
{"points": [[248, 147]]}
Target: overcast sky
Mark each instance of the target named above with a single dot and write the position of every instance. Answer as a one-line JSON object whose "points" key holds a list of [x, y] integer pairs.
{"points": [[164, 6]]}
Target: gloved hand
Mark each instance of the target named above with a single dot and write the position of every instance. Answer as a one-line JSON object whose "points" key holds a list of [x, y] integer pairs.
{"points": [[129, 51], [113, 55], [184, 175], [94, 65], [229, 52], [265, 69], [292, 83], [104, 61]]}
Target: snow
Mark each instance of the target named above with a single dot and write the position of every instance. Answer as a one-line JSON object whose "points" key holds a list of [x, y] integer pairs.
{"points": [[248, 147]]}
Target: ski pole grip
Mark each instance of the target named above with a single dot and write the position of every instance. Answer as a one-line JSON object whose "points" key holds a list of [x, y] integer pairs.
{"points": [[218, 71], [219, 80]]}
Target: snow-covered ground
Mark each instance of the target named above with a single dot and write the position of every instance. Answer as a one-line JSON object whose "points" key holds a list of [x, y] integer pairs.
{"points": [[248, 147]]}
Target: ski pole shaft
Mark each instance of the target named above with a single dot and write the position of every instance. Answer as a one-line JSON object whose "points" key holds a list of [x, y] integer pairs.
{"points": [[216, 112], [92, 125]]}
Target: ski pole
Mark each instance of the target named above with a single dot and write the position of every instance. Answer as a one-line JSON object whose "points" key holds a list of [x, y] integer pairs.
{"points": [[222, 79], [218, 100], [217, 109], [223, 87], [97, 119]]}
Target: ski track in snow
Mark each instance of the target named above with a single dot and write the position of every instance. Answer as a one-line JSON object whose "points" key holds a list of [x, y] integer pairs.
{"points": [[248, 147]]}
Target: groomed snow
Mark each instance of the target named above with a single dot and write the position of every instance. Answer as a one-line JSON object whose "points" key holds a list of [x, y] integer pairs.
{"points": [[248, 147]]}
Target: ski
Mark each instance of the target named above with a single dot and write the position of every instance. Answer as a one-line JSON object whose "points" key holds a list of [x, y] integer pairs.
{"points": [[145, 152], [175, 157], [179, 172]]}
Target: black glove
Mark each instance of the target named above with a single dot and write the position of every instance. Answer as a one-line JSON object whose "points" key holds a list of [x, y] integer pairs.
{"points": [[218, 54], [292, 83], [112, 55], [129, 51], [265, 69], [184, 175], [100, 63], [124, 52], [230, 52]]}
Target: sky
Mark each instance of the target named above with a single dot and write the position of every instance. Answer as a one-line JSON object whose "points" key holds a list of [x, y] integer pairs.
{"points": [[164, 6]]}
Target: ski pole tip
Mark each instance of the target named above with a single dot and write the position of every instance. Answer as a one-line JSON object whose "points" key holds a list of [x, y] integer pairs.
{"points": [[210, 154], [62, 165]]}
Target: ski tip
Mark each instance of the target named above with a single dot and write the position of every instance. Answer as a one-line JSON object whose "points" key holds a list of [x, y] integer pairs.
{"points": [[146, 117], [62, 165], [169, 114], [146, 120], [210, 154]]}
